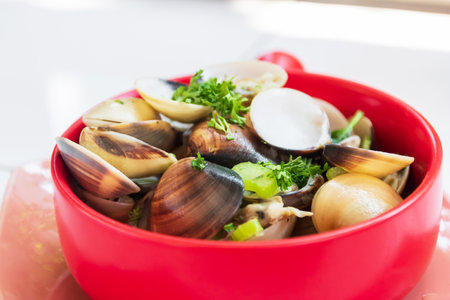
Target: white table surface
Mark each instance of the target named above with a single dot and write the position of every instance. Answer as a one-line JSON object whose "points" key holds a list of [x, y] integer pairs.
{"points": [[58, 58]]}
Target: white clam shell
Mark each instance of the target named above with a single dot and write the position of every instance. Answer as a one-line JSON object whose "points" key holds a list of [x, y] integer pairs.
{"points": [[115, 111], [250, 77], [158, 93], [290, 120], [350, 199]]}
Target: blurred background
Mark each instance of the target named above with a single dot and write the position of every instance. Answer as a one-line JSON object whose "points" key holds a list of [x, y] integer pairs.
{"points": [[59, 58]]}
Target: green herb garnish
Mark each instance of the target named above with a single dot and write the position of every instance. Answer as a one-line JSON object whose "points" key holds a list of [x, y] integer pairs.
{"points": [[227, 105], [229, 227], [297, 171], [135, 215], [119, 101], [341, 134], [198, 163]]}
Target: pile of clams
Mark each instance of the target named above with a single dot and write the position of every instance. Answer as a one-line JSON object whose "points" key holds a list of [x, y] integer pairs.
{"points": [[134, 161]]}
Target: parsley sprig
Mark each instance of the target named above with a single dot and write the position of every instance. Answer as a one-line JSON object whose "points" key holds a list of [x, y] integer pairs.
{"points": [[227, 104], [198, 163], [296, 171]]}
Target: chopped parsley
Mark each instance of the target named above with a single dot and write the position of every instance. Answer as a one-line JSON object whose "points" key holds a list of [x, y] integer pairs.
{"points": [[119, 101], [227, 104], [198, 163], [297, 171]]}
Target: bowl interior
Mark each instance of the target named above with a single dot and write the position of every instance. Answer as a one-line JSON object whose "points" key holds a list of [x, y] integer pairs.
{"points": [[398, 129]]}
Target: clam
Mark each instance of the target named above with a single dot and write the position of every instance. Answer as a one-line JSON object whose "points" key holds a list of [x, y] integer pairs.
{"points": [[115, 111], [158, 93], [351, 141], [93, 173], [350, 199], [364, 129], [302, 198], [270, 211], [146, 184], [370, 162], [250, 77], [214, 145], [156, 133], [335, 117], [131, 156], [117, 209], [280, 230], [397, 180], [195, 203], [289, 119]]}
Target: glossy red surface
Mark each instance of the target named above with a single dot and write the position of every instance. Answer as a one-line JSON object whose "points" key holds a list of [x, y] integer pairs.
{"points": [[382, 258]]}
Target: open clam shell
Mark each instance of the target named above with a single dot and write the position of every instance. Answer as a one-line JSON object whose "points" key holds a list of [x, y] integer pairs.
{"points": [[156, 133], [158, 93], [131, 156], [93, 173], [214, 146], [397, 180], [335, 117], [195, 203], [303, 197], [289, 119], [250, 77], [350, 199], [364, 129], [117, 210], [370, 162], [115, 111]]}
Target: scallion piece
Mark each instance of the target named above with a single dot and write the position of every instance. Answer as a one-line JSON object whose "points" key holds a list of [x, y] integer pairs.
{"points": [[247, 230], [340, 134]]}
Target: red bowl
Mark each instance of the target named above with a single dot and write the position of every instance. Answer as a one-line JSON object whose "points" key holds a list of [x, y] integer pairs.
{"points": [[382, 258]]}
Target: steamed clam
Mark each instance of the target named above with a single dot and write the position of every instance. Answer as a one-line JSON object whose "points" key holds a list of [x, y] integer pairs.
{"points": [[156, 133], [350, 199], [195, 203], [93, 173], [335, 117], [115, 111], [303, 127], [131, 156], [250, 77], [215, 147], [117, 209], [158, 93], [278, 220], [370, 162]]}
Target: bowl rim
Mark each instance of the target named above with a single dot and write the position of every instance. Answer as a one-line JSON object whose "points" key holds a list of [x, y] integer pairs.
{"points": [[431, 175]]}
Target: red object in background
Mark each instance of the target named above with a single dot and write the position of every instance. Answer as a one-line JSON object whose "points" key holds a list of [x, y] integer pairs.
{"points": [[31, 259], [382, 258]]}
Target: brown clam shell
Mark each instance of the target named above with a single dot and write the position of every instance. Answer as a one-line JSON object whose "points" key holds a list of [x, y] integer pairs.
{"points": [[195, 203], [93, 173], [303, 197], [117, 210], [213, 145], [131, 156], [370, 162], [156, 133]]}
